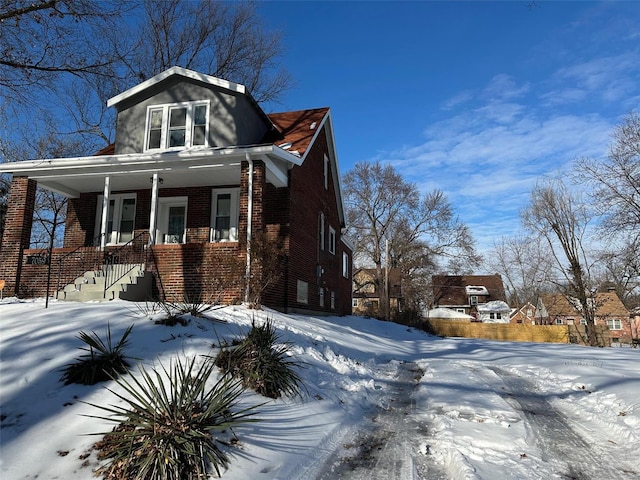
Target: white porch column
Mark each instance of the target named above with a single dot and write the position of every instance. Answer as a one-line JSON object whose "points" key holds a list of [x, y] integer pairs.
{"points": [[154, 209], [105, 212]]}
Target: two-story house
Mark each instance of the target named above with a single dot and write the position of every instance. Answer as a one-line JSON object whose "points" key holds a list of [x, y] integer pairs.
{"points": [[560, 309], [481, 296], [198, 178]]}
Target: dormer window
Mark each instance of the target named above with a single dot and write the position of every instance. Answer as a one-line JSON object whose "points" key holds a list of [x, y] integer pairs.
{"points": [[176, 126]]}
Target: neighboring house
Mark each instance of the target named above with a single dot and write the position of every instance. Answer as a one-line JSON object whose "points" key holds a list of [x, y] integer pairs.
{"points": [[466, 293], [525, 315], [199, 175], [495, 311], [559, 309], [366, 292]]}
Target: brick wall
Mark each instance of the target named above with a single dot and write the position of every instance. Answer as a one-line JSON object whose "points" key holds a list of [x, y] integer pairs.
{"points": [[198, 271], [17, 232], [308, 198]]}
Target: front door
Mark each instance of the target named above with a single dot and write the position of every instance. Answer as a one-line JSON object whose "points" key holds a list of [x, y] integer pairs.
{"points": [[172, 220]]}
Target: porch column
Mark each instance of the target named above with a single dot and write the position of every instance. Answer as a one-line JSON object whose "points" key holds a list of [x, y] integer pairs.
{"points": [[17, 232], [154, 209], [105, 212]]}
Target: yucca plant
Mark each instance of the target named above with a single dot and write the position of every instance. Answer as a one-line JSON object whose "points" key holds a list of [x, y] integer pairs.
{"points": [[167, 429], [102, 361], [263, 363]]}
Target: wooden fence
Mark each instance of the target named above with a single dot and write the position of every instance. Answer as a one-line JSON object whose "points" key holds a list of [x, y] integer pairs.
{"points": [[514, 332]]}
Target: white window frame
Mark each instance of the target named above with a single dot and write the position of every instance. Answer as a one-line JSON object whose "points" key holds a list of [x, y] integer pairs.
{"points": [[345, 265], [559, 321], [326, 172], [614, 324], [473, 300], [164, 204], [321, 296], [333, 300], [354, 303], [164, 134], [321, 231], [302, 292], [235, 208], [117, 198], [332, 240]]}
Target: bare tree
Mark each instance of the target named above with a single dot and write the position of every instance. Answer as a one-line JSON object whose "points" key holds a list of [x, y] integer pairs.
{"points": [[562, 219], [42, 39], [616, 179], [525, 264], [421, 230], [619, 268]]}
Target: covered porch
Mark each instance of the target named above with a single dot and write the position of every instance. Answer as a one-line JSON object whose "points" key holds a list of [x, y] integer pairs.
{"points": [[185, 217]]}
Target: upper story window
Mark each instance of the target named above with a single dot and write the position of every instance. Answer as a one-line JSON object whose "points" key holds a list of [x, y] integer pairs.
{"points": [[332, 240], [178, 125], [326, 172]]}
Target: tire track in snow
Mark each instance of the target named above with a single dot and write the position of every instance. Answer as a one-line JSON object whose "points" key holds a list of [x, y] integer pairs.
{"points": [[390, 447], [573, 457]]}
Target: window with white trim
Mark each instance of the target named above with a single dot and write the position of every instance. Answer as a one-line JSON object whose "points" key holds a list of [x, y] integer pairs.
{"points": [[120, 217], [614, 324], [345, 264], [495, 316], [176, 126], [333, 300], [332, 240], [302, 292], [321, 231], [326, 172], [321, 300], [354, 302], [225, 203], [559, 321]]}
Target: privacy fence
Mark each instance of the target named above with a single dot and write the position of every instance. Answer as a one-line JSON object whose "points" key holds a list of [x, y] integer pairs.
{"points": [[515, 332]]}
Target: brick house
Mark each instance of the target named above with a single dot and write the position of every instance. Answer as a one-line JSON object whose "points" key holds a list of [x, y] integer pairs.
{"points": [[465, 293], [198, 177], [559, 309]]}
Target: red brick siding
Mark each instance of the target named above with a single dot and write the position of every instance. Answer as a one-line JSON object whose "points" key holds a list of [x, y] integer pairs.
{"points": [[17, 232], [198, 271], [308, 198]]}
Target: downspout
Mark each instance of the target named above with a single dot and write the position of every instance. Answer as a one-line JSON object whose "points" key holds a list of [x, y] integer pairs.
{"points": [[105, 213], [247, 272]]}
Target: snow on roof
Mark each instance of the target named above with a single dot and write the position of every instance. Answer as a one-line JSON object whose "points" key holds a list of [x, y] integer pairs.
{"points": [[446, 313], [495, 306], [476, 290]]}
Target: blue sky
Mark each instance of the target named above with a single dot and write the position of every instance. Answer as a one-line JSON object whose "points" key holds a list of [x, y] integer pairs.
{"points": [[478, 99]]}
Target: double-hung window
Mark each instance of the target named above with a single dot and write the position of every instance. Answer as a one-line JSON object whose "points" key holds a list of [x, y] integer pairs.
{"points": [[178, 125], [332, 241], [224, 214], [614, 324]]}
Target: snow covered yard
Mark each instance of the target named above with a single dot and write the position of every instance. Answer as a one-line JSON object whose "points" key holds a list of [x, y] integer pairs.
{"points": [[477, 409]]}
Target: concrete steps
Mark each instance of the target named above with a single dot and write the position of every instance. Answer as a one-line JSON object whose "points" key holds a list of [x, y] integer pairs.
{"points": [[134, 286]]}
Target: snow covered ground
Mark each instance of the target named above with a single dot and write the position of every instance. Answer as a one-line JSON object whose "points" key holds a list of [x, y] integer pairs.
{"points": [[384, 401]]}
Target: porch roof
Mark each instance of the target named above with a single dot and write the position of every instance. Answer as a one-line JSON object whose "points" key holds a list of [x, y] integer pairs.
{"points": [[185, 168]]}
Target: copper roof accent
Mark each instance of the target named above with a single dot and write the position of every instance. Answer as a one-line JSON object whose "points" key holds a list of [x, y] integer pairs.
{"points": [[296, 128], [451, 289], [108, 150]]}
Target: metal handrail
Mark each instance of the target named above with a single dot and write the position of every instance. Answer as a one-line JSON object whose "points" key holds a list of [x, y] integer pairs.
{"points": [[123, 260], [84, 259]]}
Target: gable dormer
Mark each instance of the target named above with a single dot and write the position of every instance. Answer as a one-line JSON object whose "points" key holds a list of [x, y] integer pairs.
{"points": [[181, 109]]}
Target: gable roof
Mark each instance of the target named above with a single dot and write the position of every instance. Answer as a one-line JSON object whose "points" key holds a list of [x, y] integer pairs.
{"points": [[452, 289], [297, 129], [173, 71], [559, 305]]}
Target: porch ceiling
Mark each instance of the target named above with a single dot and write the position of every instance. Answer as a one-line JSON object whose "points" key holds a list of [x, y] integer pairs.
{"points": [[72, 176]]}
